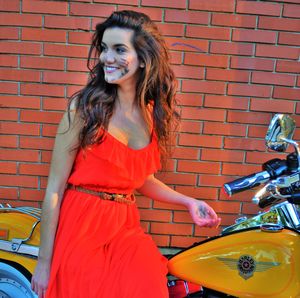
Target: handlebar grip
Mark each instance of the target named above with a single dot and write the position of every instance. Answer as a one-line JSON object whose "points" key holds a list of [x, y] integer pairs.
{"points": [[294, 199], [247, 182]]}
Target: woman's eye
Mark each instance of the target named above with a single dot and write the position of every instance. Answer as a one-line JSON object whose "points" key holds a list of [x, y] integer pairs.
{"points": [[120, 50], [103, 48]]}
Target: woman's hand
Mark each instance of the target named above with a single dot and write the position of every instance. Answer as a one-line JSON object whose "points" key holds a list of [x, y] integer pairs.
{"points": [[202, 214], [40, 278]]}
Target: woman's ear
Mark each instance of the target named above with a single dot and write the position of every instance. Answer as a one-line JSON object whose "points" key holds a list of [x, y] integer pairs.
{"points": [[142, 65]]}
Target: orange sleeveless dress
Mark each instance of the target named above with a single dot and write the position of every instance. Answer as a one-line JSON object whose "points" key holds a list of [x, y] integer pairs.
{"points": [[100, 249]]}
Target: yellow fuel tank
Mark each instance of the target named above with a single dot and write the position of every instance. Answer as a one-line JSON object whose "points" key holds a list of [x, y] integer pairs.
{"points": [[250, 263]]}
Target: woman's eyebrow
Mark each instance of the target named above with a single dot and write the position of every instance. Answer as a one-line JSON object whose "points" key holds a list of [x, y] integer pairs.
{"points": [[115, 45]]}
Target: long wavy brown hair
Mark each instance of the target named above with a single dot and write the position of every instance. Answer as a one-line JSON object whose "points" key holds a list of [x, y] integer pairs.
{"points": [[156, 82]]}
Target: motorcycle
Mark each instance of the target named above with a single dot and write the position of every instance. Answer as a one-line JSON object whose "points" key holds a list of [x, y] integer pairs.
{"points": [[255, 257]]}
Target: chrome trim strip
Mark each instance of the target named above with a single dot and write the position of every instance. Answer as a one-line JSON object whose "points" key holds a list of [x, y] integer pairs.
{"points": [[9, 246]]}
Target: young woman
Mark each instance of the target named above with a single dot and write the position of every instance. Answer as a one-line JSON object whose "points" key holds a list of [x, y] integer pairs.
{"points": [[110, 143]]}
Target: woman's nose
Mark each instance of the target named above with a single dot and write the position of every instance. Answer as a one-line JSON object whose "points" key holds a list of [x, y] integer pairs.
{"points": [[109, 56]]}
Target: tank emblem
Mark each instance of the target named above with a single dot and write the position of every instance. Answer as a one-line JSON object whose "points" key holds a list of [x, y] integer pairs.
{"points": [[246, 265]]}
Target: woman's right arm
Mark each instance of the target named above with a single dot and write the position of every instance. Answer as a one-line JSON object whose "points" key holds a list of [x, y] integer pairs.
{"points": [[63, 157]]}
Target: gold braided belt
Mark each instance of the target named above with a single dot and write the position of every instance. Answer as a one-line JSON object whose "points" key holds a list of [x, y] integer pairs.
{"points": [[120, 198]]}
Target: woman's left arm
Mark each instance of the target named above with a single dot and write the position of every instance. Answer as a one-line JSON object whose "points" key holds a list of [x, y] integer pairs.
{"points": [[202, 214]]}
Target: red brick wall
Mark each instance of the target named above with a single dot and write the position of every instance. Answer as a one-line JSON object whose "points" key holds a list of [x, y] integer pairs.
{"points": [[237, 64]]}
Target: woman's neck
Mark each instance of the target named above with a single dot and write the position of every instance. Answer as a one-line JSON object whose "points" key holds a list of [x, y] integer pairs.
{"points": [[126, 98]]}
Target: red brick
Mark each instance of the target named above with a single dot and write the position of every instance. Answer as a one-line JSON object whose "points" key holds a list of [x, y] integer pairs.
{"points": [[274, 105], [8, 114], [248, 117], [37, 34], [180, 241], [206, 60], [189, 99], [14, 47], [46, 157], [177, 178], [49, 130], [187, 71], [161, 240], [231, 48], [36, 143], [155, 215], [277, 51], [11, 5], [257, 131], [9, 141], [8, 193], [77, 65], [20, 128], [59, 77], [190, 126], [208, 32], [284, 24], [31, 194], [126, 2], [9, 33], [286, 93], [250, 208], [41, 117], [273, 78], [260, 8], [42, 89], [73, 89], [212, 5], [12, 180], [202, 114], [222, 155], [224, 129], [203, 87], [65, 50], [291, 11], [182, 217], [225, 102], [8, 87], [165, 3], [16, 19], [200, 140], [254, 35], [154, 13], [252, 63], [171, 29], [49, 7], [185, 153], [20, 75], [233, 20], [34, 169], [80, 37], [8, 167], [207, 232], [42, 62], [186, 17], [288, 66], [244, 144], [289, 38], [85, 9], [67, 22], [198, 167], [28, 102], [8, 60], [298, 108], [249, 90], [171, 228], [239, 169], [52, 103], [207, 193], [212, 180], [260, 157], [19, 155], [194, 45], [227, 75]]}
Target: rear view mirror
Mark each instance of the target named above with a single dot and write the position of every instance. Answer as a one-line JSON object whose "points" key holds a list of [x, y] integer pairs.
{"points": [[280, 130]]}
